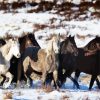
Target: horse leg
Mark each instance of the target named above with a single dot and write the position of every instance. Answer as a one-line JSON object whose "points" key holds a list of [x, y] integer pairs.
{"points": [[98, 83], [28, 82], [77, 74], [8, 80], [26, 66], [19, 71], [44, 74], [75, 82], [60, 77], [55, 77], [1, 79], [68, 74], [92, 81]]}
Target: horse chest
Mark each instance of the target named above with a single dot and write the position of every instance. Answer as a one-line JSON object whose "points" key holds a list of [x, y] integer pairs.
{"points": [[3, 69]]}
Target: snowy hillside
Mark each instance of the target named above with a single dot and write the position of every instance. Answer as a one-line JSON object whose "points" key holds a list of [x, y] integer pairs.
{"points": [[58, 1], [64, 20]]}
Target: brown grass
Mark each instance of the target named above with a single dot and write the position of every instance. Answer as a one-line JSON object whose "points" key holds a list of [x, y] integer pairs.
{"points": [[7, 95]]}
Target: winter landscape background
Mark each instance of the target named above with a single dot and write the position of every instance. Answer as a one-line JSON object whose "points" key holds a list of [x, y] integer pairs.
{"points": [[43, 19]]}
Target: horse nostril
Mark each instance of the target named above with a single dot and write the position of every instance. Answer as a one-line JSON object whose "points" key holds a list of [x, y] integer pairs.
{"points": [[18, 55]]}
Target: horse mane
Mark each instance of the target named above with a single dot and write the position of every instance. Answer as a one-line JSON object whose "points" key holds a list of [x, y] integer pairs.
{"points": [[50, 37], [5, 49], [28, 42], [68, 46]]}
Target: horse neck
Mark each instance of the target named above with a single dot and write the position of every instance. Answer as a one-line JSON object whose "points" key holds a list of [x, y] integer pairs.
{"points": [[5, 52], [49, 47]]}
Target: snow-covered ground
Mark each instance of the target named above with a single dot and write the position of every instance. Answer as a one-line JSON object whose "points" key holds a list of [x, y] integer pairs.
{"points": [[68, 22], [33, 94], [67, 92]]}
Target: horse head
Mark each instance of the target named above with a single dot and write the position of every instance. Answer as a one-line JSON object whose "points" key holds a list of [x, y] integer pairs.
{"points": [[68, 46], [54, 43], [14, 47]]}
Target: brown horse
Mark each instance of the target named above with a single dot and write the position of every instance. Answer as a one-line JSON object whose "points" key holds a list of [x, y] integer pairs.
{"points": [[81, 59], [43, 60], [91, 49]]}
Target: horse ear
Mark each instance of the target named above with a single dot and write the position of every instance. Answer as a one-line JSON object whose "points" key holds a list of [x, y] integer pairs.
{"points": [[63, 37], [14, 39], [59, 36], [6, 39]]}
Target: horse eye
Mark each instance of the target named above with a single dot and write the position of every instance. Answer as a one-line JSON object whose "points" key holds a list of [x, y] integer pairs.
{"points": [[40, 37]]}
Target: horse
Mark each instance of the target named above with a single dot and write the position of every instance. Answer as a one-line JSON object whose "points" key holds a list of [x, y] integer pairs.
{"points": [[7, 51], [96, 45], [43, 61], [24, 41], [80, 59], [67, 58]]}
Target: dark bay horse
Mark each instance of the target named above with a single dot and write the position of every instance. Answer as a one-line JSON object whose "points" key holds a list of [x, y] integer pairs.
{"points": [[25, 41], [73, 58], [16, 67]]}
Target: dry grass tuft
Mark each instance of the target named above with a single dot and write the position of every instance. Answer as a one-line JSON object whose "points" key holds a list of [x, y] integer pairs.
{"points": [[7, 95]]}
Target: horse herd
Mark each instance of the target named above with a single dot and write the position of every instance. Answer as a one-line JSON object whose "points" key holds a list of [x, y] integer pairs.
{"points": [[21, 58]]}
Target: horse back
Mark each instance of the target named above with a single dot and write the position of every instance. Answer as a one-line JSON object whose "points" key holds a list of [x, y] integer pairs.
{"points": [[87, 64], [42, 53], [32, 52]]}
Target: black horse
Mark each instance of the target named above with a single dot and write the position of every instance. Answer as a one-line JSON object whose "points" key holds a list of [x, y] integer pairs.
{"points": [[67, 60], [74, 59]]}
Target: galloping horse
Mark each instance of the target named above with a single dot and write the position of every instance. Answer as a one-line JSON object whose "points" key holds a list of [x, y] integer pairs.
{"points": [[7, 51], [82, 59], [43, 60], [24, 41], [91, 49]]}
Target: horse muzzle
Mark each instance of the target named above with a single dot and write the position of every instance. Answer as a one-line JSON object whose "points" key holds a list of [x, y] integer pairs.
{"points": [[18, 55]]}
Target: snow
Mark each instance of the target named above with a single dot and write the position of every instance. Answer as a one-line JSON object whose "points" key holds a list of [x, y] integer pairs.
{"points": [[40, 94], [21, 23], [83, 42], [84, 31], [17, 24], [58, 1]]}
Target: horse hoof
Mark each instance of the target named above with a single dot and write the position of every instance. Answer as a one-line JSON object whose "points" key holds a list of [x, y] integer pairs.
{"points": [[27, 86], [6, 85]]}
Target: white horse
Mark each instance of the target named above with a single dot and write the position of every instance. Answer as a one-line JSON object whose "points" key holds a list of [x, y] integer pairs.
{"points": [[6, 53], [47, 60]]}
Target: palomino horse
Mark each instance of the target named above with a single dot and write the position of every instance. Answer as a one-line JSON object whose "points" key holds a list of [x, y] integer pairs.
{"points": [[43, 60], [7, 51]]}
